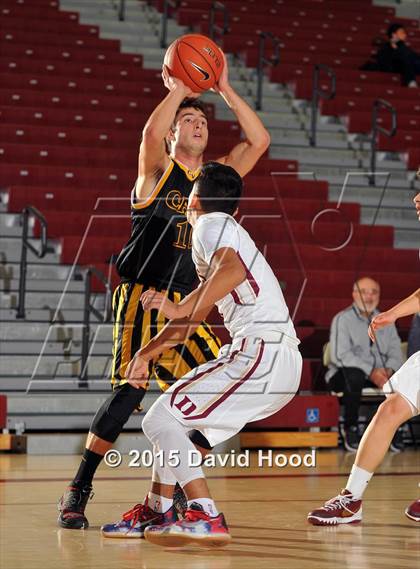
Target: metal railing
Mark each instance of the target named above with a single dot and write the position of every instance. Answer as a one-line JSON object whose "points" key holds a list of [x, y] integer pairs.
{"points": [[376, 127], [88, 309], [215, 28], [119, 7], [164, 26], [26, 244], [273, 60], [317, 92], [121, 11]]}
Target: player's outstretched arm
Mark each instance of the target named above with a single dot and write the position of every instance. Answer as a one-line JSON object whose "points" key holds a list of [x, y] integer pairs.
{"points": [[406, 307], [188, 314], [226, 271], [153, 158], [243, 156]]}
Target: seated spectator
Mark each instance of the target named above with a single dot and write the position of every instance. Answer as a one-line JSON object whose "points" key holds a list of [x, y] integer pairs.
{"points": [[357, 362], [414, 336], [396, 57]]}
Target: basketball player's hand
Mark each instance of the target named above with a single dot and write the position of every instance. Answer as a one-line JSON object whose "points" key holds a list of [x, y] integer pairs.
{"points": [[157, 300], [137, 372], [223, 82], [380, 321], [173, 83]]}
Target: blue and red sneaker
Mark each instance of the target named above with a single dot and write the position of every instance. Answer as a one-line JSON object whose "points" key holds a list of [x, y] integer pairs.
{"points": [[136, 520], [196, 527]]}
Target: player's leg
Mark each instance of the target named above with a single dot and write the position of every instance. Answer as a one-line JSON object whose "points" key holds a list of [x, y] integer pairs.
{"points": [[111, 417], [175, 452], [216, 401], [393, 412], [203, 346]]}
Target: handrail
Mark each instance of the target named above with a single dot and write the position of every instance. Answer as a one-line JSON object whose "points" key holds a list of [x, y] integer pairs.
{"points": [[121, 11], [262, 60], [119, 6], [376, 127], [316, 93], [213, 27], [26, 212], [89, 309], [165, 16]]}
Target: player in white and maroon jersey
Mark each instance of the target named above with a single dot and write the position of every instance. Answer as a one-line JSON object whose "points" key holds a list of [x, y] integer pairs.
{"points": [[254, 377], [402, 403]]}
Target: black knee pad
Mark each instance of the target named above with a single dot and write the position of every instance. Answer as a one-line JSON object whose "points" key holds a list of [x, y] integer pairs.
{"points": [[115, 412], [199, 439]]}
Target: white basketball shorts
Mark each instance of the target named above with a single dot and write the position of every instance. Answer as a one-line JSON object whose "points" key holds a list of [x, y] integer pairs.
{"points": [[251, 379], [406, 382]]}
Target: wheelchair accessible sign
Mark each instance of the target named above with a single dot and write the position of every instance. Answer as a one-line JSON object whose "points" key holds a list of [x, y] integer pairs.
{"points": [[312, 415]]}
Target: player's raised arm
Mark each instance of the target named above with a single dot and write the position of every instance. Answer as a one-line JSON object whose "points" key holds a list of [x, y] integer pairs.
{"points": [[153, 156], [406, 307], [244, 155]]}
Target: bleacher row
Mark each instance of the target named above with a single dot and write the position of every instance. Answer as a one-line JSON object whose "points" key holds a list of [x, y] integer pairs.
{"points": [[72, 108]]}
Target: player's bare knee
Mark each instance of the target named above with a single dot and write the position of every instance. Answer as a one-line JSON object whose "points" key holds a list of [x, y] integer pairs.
{"points": [[394, 409]]}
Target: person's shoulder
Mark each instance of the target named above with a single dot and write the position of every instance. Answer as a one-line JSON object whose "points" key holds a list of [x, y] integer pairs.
{"points": [[345, 314], [216, 219]]}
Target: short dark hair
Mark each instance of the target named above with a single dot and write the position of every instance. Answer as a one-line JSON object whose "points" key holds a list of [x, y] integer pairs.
{"points": [[392, 28], [219, 188], [191, 103]]}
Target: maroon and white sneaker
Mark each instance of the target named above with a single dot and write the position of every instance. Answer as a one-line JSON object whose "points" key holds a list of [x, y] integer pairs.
{"points": [[413, 511], [196, 527], [343, 509]]}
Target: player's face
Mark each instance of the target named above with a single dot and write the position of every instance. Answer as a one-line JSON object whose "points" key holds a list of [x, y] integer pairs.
{"points": [[191, 132], [417, 204], [366, 295]]}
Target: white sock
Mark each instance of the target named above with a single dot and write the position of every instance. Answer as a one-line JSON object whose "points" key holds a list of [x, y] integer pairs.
{"points": [[207, 504], [158, 503], [358, 481]]}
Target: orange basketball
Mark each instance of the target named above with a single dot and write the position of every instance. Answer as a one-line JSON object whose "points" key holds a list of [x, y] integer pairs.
{"points": [[196, 60]]}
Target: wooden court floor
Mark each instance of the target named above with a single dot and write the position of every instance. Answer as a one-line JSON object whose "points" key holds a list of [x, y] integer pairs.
{"points": [[265, 507]]}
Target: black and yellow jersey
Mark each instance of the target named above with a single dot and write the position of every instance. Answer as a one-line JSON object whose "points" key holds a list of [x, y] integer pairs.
{"points": [[158, 253]]}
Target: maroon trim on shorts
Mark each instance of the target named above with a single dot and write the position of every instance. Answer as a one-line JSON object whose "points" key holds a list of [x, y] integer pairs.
{"points": [[207, 371], [229, 392]]}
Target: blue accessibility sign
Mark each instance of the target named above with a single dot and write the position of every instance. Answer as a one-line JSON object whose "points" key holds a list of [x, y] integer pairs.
{"points": [[312, 415]]}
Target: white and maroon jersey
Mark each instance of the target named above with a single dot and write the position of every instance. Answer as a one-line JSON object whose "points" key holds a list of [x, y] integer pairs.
{"points": [[256, 307]]}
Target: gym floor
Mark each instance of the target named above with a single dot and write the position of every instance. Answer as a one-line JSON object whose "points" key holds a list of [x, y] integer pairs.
{"points": [[265, 508]]}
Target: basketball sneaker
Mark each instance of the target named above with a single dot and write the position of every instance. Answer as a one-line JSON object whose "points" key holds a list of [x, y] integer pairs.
{"points": [[196, 527], [72, 506], [413, 511], [136, 520], [343, 509]]}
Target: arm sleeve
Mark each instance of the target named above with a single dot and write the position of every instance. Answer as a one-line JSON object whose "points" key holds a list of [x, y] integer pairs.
{"points": [[394, 355], [343, 352], [214, 234]]}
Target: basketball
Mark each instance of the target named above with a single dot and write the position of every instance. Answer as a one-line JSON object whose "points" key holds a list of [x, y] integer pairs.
{"points": [[196, 60]]}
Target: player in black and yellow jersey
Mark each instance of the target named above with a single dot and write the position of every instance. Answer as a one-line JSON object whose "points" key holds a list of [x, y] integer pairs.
{"points": [[158, 255]]}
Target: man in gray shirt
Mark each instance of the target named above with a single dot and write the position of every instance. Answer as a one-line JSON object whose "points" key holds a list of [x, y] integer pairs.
{"points": [[356, 361]]}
